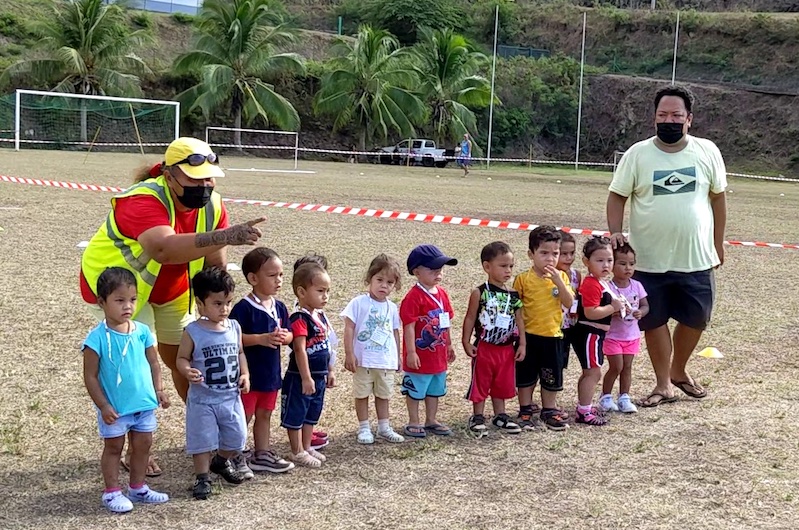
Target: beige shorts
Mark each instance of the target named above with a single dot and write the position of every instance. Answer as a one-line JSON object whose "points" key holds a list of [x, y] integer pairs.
{"points": [[368, 381], [166, 321]]}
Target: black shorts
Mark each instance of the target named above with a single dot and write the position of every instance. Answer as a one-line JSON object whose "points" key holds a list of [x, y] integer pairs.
{"points": [[568, 342], [687, 297], [542, 362], [587, 343]]}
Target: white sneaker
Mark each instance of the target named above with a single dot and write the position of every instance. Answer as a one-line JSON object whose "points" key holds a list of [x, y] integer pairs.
{"points": [[365, 437], [626, 404], [147, 496], [606, 404], [390, 435], [116, 502], [240, 463]]}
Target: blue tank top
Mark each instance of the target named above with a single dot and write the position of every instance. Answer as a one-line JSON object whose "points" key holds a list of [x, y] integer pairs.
{"points": [[216, 356]]}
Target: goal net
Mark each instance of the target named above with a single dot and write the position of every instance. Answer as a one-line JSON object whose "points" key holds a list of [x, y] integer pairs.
{"points": [[53, 120], [281, 147]]}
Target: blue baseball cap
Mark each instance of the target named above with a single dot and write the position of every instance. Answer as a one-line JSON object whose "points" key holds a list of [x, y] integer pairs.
{"points": [[429, 256]]}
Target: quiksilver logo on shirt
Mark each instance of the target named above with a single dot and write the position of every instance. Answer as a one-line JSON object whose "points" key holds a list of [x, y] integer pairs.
{"points": [[674, 181]]}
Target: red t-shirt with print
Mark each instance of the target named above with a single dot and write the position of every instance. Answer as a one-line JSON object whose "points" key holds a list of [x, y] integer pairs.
{"points": [[139, 213], [419, 307]]}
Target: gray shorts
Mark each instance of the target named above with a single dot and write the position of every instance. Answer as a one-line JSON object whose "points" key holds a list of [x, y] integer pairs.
{"points": [[218, 425]]}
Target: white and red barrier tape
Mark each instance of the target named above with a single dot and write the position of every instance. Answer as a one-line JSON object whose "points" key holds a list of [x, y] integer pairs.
{"points": [[372, 212]]}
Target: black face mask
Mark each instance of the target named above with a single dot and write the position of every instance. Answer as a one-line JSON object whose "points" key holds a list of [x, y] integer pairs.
{"points": [[670, 133], [195, 197]]}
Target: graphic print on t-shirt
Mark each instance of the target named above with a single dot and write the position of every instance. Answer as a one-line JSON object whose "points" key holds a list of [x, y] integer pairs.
{"points": [[221, 365], [431, 334], [674, 181]]}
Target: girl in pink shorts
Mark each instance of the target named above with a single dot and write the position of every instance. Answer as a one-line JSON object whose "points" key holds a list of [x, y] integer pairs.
{"points": [[623, 340]]}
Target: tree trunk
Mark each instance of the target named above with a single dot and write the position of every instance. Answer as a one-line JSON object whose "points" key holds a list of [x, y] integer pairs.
{"points": [[236, 106], [362, 139]]}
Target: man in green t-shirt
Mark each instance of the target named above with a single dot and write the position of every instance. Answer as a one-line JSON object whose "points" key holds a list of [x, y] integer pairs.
{"points": [[678, 211]]}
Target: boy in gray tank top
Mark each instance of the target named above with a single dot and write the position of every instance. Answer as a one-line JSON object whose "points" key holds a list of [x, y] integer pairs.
{"points": [[211, 357]]}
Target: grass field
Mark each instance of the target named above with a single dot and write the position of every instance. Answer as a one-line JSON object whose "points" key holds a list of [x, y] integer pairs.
{"points": [[724, 462]]}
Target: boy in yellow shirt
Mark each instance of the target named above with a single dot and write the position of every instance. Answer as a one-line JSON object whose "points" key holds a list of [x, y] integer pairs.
{"points": [[544, 290]]}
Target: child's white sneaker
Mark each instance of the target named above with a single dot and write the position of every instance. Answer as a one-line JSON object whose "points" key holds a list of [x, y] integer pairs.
{"points": [[390, 435], [606, 404], [365, 437], [626, 404], [116, 502], [147, 496]]}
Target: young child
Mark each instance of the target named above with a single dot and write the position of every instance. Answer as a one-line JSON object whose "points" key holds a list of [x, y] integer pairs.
{"points": [[426, 315], [371, 346], [623, 340], [568, 249], [123, 377], [595, 308], [308, 375], [211, 358], [543, 290], [320, 439], [495, 317], [264, 322]]}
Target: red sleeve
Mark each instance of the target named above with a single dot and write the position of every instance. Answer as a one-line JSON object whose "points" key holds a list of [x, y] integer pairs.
{"points": [[591, 292], [138, 214], [409, 310], [223, 219], [299, 328]]}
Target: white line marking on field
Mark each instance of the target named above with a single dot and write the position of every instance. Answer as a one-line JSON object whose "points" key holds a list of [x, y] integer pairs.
{"points": [[10, 208]]}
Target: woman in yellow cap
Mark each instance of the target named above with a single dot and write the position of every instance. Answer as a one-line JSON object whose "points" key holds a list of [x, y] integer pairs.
{"points": [[164, 229]]}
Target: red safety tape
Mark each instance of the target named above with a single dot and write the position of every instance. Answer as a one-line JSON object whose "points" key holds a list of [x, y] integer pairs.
{"points": [[372, 212]]}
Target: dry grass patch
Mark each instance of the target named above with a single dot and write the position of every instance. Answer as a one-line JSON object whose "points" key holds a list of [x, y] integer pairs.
{"points": [[724, 462]]}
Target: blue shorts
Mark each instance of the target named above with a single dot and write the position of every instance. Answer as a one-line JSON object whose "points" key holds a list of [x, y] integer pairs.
{"points": [[420, 386], [215, 425], [297, 409], [138, 421]]}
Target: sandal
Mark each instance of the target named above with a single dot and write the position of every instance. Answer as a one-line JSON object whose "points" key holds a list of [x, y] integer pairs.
{"points": [[152, 466], [414, 431], [303, 458], [649, 403], [438, 429], [690, 388]]}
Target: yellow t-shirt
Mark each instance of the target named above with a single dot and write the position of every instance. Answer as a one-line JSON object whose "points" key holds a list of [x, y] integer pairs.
{"points": [[542, 312], [671, 220]]}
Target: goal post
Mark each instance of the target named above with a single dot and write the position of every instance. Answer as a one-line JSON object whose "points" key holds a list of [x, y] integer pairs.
{"points": [[60, 120], [261, 142]]}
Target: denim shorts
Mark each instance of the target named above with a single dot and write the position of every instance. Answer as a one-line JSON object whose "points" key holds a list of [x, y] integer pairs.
{"points": [[138, 421]]}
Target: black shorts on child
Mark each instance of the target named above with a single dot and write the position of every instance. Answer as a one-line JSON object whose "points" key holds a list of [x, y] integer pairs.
{"points": [[543, 362], [297, 409]]}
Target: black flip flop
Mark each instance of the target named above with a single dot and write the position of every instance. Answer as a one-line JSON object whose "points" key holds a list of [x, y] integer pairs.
{"points": [[690, 388], [648, 404]]}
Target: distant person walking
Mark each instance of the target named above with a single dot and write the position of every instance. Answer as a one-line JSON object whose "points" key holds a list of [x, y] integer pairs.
{"points": [[678, 212], [465, 154]]}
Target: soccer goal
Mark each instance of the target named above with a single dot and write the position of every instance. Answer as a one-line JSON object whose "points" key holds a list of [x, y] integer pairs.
{"points": [[255, 142], [55, 120]]}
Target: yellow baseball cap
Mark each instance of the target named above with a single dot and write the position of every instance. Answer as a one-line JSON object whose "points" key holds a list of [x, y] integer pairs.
{"points": [[181, 153]]}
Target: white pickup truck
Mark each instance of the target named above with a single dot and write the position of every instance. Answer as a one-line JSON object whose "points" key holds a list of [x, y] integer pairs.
{"points": [[422, 152]]}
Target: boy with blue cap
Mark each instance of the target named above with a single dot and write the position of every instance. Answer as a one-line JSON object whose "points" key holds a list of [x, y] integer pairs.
{"points": [[426, 314]]}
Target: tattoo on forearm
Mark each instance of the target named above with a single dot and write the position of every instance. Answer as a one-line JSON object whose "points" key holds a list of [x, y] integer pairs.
{"points": [[234, 235], [210, 239]]}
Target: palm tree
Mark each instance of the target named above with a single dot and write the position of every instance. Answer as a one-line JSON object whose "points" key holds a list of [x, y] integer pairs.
{"points": [[236, 49], [369, 83], [451, 86], [87, 51]]}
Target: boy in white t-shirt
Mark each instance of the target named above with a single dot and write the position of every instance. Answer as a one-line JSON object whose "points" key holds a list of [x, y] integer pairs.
{"points": [[371, 346]]}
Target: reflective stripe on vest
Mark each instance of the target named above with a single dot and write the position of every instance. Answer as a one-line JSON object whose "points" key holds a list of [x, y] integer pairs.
{"points": [[110, 248]]}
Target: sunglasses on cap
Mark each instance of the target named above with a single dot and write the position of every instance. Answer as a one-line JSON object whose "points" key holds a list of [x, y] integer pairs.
{"points": [[198, 159]]}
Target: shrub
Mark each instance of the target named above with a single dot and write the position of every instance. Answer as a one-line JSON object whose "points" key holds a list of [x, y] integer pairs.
{"points": [[183, 18]]}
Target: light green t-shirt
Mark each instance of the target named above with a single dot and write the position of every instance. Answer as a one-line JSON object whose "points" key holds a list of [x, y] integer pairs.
{"points": [[671, 220]]}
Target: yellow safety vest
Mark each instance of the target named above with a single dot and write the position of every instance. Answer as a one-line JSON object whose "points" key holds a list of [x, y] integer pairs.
{"points": [[110, 248]]}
